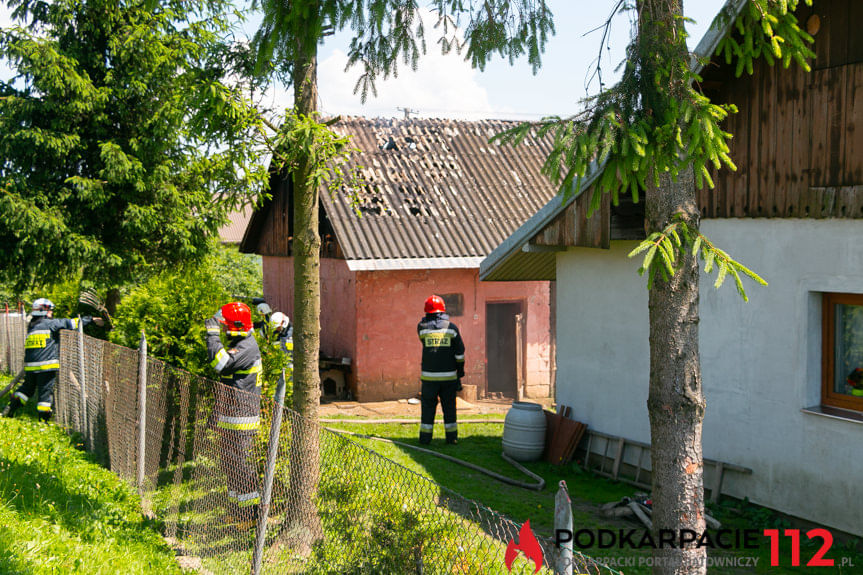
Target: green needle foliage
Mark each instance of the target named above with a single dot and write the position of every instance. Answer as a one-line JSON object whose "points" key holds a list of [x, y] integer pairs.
{"points": [[389, 33], [631, 140], [673, 238], [122, 145]]}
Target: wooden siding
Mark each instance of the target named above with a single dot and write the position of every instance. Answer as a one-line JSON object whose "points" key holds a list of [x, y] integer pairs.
{"points": [[839, 40], [798, 137], [271, 229]]}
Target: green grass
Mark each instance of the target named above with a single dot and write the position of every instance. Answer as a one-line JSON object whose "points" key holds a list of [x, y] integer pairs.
{"points": [[481, 444], [62, 513]]}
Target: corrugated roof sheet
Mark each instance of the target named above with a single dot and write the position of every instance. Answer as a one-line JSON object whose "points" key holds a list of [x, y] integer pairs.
{"points": [[232, 232], [443, 191]]}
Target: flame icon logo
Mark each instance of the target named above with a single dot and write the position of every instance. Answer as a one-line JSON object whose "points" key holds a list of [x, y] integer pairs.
{"points": [[527, 544]]}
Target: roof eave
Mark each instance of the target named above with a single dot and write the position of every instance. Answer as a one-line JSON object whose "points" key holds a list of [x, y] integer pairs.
{"points": [[517, 240], [520, 237]]}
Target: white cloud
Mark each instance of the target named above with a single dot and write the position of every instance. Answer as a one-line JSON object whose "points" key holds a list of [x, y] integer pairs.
{"points": [[442, 86], [5, 16]]}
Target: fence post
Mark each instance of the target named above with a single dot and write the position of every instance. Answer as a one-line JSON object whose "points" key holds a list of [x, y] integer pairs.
{"points": [[8, 340], [272, 453], [142, 411], [85, 429], [563, 521]]}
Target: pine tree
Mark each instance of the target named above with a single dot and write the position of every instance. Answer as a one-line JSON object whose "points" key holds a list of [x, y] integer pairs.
{"points": [[116, 136]]}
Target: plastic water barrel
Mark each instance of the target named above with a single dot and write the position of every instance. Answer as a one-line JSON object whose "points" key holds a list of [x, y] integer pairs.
{"points": [[524, 431]]}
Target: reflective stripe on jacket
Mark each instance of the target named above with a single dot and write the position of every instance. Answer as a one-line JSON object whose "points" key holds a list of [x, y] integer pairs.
{"points": [[239, 368], [42, 346], [443, 348]]}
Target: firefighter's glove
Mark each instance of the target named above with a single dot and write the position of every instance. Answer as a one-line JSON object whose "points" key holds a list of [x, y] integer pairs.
{"points": [[212, 325], [458, 385]]}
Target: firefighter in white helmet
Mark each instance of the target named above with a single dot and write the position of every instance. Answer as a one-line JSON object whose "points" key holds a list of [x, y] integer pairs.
{"points": [[280, 325], [42, 357]]}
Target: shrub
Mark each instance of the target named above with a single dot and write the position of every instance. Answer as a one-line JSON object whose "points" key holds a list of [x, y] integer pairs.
{"points": [[171, 307]]}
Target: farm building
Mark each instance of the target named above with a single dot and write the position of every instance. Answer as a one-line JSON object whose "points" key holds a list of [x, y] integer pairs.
{"points": [[434, 198], [774, 369]]}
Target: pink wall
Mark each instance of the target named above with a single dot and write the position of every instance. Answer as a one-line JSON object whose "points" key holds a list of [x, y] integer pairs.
{"points": [[390, 303], [338, 301], [371, 317]]}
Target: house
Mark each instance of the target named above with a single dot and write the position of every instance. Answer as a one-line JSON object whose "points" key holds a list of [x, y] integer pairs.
{"points": [[434, 198], [238, 220], [774, 369]]}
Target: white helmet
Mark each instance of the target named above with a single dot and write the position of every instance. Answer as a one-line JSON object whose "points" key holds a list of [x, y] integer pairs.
{"points": [[279, 321], [41, 307]]}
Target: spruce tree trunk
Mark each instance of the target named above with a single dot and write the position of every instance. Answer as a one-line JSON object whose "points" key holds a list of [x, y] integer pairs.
{"points": [[676, 401], [305, 464]]}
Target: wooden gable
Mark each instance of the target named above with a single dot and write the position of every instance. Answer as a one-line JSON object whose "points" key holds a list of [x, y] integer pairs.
{"points": [[798, 140]]}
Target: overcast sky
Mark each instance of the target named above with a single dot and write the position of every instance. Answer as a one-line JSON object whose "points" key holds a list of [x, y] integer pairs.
{"points": [[447, 87]]}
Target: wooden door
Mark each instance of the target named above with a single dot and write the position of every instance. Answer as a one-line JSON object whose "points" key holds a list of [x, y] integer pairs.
{"points": [[502, 348]]}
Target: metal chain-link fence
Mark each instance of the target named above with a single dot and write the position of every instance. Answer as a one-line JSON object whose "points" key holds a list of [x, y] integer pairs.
{"points": [[13, 329], [335, 506]]}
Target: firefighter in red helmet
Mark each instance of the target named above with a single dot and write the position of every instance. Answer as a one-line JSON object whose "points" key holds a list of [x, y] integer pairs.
{"points": [[238, 404], [442, 369]]}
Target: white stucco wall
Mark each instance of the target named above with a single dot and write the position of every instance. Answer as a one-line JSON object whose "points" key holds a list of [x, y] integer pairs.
{"points": [[761, 361]]}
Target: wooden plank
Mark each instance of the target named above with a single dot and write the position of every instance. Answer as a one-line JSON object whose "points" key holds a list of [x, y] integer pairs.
{"points": [[604, 455], [587, 453], [855, 39], [744, 198], [822, 38], [638, 465], [783, 140], [716, 490], [575, 437], [853, 150], [837, 16], [739, 149], [800, 143], [766, 142], [618, 457], [836, 137], [819, 124]]}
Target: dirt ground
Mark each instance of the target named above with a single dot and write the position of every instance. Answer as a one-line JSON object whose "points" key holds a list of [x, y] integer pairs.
{"points": [[402, 408]]}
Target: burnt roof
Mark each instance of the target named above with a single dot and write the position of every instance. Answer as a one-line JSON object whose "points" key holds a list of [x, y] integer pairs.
{"points": [[432, 189]]}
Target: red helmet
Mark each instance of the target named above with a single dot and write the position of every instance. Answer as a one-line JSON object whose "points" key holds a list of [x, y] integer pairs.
{"points": [[236, 317], [434, 304]]}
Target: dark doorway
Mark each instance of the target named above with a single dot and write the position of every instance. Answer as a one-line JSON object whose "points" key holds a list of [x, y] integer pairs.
{"points": [[501, 348]]}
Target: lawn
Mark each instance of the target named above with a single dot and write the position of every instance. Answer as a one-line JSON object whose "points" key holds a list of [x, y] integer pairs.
{"points": [[62, 513], [481, 444]]}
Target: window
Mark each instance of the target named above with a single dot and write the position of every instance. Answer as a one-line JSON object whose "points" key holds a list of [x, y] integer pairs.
{"points": [[841, 385], [454, 303]]}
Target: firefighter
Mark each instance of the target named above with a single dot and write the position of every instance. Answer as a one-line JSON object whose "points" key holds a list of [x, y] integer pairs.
{"points": [[238, 405], [42, 357], [442, 369], [283, 331]]}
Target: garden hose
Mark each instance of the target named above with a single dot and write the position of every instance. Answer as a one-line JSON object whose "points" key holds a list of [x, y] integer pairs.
{"points": [[402, 420], [538, 486]]}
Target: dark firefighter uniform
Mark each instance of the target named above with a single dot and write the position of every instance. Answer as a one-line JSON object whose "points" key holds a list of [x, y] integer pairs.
{"points": [[237, 412], [42, 361], [442, 367]]}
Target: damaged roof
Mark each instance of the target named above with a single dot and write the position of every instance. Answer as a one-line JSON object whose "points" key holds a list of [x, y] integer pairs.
{"points": [[432, 193]]}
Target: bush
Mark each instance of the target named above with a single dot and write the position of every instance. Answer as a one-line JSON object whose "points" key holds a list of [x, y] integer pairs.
{"points": [[172, 306]]}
